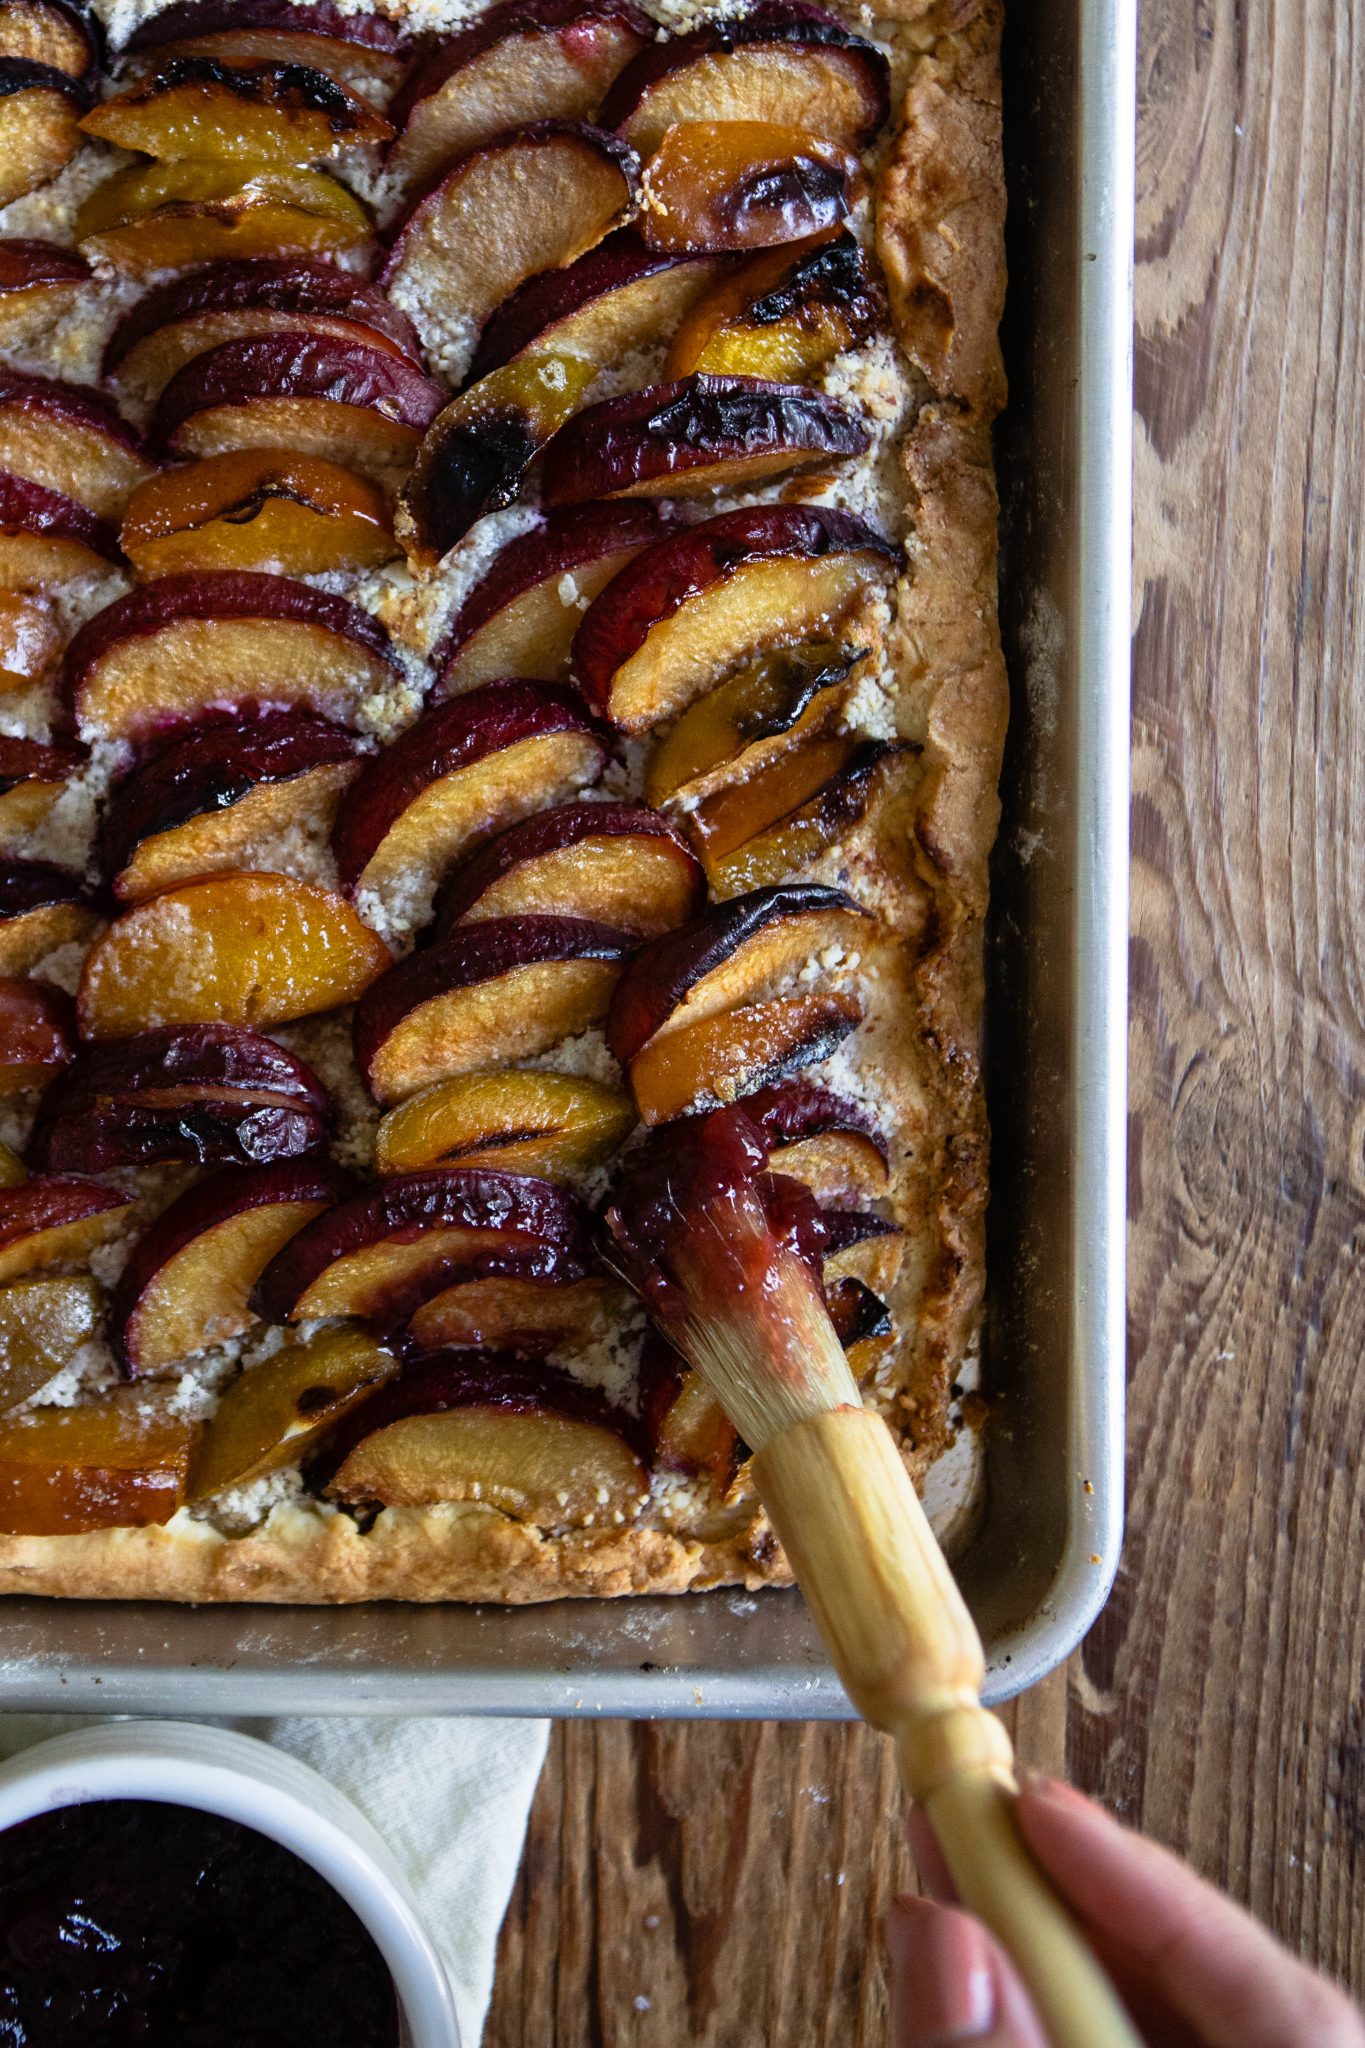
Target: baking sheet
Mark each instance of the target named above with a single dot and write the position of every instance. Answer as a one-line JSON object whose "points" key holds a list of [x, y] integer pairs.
{"points": [[1046, 1538]]}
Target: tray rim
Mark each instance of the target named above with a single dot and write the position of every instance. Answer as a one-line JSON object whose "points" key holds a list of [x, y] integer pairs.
{"points": [[801, 1685], [1103, 597]]}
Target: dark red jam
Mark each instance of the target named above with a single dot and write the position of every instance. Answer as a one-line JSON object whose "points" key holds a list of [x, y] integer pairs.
{"points": [[695, 1208], [124, 1921]]}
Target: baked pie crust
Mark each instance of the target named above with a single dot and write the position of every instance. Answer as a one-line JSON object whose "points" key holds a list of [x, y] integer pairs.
{"points": [[918, 857]]}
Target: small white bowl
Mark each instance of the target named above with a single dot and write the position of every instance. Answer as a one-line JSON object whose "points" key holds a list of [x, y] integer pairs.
{"points": [[185, 1764]]}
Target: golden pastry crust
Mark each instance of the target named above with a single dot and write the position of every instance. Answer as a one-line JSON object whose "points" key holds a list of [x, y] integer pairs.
{"points": [[941, 217], [464, 1552], [940, 212]]}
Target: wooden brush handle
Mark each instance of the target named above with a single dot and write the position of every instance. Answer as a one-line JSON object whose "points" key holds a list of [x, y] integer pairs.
{"points": [[910, 1658]]}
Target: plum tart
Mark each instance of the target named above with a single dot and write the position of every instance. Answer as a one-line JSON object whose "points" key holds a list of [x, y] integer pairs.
{"points": [[498, 654]]}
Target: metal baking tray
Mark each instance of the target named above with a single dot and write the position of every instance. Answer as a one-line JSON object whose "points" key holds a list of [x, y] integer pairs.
{"points": [[1045, 1547]]}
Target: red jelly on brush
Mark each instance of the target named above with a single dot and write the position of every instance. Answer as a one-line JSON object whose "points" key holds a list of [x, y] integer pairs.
{"points": [[125, 1921], [701, 1183]]}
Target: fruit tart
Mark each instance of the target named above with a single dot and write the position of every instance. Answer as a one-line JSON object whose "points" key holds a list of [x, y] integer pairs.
{"points": [[498, 653]]}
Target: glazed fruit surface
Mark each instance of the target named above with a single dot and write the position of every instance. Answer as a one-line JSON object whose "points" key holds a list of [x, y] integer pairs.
{"points": [[451, 515]]}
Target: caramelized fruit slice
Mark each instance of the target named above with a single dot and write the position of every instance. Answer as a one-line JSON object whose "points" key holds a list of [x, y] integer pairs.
{"points": [[343, 400], [862, 1324], [685, 611], [745, 185], [166, 216], [696, 435], [226, 795], [267, 509], [39, 283], [33, 774], [502, 990], [29, 640], [521, 203], [185, 645], [46, 537], [251, 949], [206, 1093], [378, 1254], [228, 301], [48, 32], [731, 185], [731, 815], [785, 315], [370, 73], [366, 47], [690, 1430], [25, 800], [149, 365], [697, 1436], [735, 953], [796, 65], [520, 1438], [37, 1034], [268, 113], [41, 907], [617, 297], [55, 1222], [43, 1324], [621, 864], [804, 834], [107, 1464], [475, 454], [861, 1245], [69, 439], [276, 1412], [521, 616], [822, 1140], [259, 832], [522, 1311], [534, 62], [722, 1057], [40, 110], [189, 1281], [792, 689], [524, 1120], [465, 770]]}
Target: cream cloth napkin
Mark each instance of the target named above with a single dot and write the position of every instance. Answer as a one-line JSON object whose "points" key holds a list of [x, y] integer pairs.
{"points": [[450, 1798]]}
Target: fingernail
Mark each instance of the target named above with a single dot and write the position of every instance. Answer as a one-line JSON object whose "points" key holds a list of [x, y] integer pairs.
{"points": [[945, 1983]]}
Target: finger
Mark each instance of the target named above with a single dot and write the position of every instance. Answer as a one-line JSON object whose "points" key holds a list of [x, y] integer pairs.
{"points": [[950, 1985], [1155, 2019], [931, 1865], [1176, 1937]]}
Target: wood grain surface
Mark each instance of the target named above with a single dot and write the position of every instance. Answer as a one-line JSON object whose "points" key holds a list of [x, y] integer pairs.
{"points": [[721, 1885]]}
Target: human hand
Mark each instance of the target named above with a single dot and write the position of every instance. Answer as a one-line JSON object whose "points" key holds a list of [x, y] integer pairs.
{"points": [[1194, 1970]]}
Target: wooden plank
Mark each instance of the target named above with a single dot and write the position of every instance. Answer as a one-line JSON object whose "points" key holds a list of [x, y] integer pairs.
{"points": [[710, 1882], [1219, 1701]]}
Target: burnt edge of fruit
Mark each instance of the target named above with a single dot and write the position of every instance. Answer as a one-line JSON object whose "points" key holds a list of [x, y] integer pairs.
{"points": [[295, 87], [470, 471], [315, 17], [21, 74], [834, 275]]}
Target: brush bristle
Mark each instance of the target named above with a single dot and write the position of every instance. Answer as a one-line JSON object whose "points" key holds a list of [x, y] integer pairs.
{"points": [[770, 1356], [725, 1256]]}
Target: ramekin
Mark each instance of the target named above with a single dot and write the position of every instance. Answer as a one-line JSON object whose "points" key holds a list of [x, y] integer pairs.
{"points": [[185, 1764]]}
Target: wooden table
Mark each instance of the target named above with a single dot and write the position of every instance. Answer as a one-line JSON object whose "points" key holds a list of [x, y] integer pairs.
{"points": [[1220, 1702]]}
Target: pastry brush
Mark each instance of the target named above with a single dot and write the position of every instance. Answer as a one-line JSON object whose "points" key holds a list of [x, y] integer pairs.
{"points": [[724, 1254]]}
